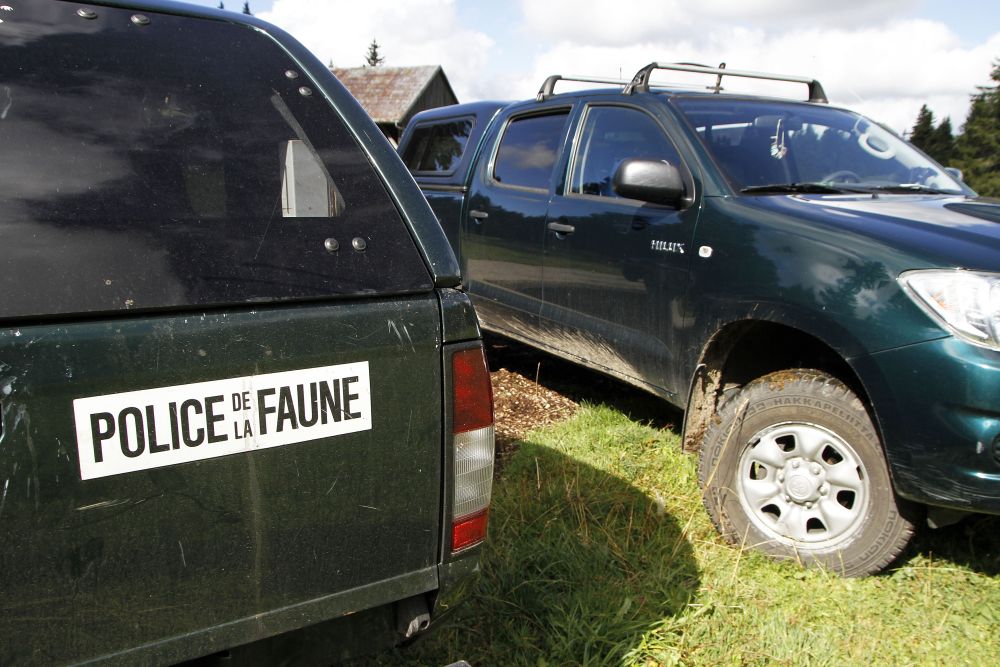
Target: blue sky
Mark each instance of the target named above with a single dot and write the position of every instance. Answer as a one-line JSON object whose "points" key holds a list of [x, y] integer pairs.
{"points": [[882, 57], [973, 20]]}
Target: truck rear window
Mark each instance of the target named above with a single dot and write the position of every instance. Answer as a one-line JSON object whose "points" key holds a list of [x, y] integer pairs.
{"points": [[179, 163], [438, 147]]}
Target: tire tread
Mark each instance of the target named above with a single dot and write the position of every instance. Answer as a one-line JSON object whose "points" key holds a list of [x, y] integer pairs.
{"points": [[813, 382]]}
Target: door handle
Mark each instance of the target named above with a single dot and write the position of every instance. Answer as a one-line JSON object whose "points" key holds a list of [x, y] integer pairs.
{"points": [[561, 228], [478, 216]]}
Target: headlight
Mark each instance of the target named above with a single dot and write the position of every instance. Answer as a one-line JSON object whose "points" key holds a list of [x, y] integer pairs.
{"points": [[966, 303]]}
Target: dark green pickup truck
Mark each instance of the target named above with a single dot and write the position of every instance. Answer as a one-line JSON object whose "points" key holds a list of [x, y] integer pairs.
{"points": [[241, 396], [820, 297]]}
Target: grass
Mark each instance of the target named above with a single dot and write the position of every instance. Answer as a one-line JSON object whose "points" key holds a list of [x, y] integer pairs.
{"points": [[600, 553]]}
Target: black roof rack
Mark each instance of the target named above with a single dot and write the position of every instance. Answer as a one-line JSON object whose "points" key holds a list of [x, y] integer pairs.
{"points": [[640, 82], [548, 87]]}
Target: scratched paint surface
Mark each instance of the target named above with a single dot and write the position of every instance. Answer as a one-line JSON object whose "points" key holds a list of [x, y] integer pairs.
{"points": [[137, 557]]}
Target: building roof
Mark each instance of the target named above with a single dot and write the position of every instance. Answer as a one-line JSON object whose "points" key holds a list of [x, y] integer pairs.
{"points": [[389, 93]]}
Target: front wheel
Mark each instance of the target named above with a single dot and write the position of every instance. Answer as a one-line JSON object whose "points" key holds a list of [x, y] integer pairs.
{"points": [[794, 467]]}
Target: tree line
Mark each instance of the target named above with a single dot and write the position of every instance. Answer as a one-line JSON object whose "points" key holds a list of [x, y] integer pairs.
{"points": [[976, 151]]}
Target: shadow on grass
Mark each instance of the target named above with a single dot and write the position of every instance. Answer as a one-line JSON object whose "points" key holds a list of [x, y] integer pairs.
{"points": [[578, 566], [973, 543]]}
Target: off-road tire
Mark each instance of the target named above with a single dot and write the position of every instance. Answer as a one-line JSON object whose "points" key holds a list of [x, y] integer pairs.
{"points": [[804, 435]]}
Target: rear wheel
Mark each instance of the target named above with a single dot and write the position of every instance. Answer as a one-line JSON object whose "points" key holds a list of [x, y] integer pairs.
{"points": [[794, 467]]}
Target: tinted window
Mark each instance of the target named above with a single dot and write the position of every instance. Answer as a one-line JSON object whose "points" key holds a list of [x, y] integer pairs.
{"points": [[610, 135], [438, 147], [528, 150], [177, 164]]}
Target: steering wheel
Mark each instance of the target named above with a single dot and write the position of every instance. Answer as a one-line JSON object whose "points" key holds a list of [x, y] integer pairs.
{"points": [[842, 176]]}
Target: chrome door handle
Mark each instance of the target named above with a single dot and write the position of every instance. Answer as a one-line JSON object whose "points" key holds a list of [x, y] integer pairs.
{"points": [[478, 215], [561, 228]]}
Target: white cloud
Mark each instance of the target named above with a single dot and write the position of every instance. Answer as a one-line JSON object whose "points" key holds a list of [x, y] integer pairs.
{"points": [[886, 69], [411, 32], [628, 21], [869, 54]]}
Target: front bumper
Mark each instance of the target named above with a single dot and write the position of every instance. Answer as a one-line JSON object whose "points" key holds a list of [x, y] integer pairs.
{"points": [[938, 406]]}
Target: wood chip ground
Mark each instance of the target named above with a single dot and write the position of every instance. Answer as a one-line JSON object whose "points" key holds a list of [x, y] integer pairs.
{"points": [[521, 405]]}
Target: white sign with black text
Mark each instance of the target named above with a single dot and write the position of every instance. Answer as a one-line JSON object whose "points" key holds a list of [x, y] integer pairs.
{"points": [[151, 428]]}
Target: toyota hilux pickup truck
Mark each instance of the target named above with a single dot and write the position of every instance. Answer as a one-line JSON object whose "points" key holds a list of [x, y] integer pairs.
{"points": [[241, 397], [821, 298]]}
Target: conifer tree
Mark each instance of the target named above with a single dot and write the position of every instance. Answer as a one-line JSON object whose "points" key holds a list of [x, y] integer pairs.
{"points": [[246, 8], [942, 145], [373, 58], [923, 129], [937, 141], [977, 150]]}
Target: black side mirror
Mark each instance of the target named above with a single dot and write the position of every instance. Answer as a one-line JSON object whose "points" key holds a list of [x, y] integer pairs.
{"points": [[653, 181]]}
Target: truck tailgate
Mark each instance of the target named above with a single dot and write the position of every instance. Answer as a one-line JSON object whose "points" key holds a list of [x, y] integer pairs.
{"points": [[175, 536]]}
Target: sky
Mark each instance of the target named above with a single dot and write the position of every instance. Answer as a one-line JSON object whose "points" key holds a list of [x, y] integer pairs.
{"points": [[884, 58]]}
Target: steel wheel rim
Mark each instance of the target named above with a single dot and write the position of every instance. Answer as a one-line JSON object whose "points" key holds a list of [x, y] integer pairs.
{"points": [[801, 484]]}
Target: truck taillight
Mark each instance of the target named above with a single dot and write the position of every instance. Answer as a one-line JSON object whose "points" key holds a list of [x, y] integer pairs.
{"points": [[472, 429]]}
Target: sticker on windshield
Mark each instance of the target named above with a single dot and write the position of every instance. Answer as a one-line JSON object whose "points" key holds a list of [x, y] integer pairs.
{"points": [[152, 428], [778, 148]]}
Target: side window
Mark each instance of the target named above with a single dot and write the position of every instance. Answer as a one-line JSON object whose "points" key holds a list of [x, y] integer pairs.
{"points": [[610, 135], [183, 163], [437, 148], [307, 190], [528, 150]]}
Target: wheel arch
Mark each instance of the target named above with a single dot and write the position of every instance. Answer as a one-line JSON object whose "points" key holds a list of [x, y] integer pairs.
{"points": [[742, 351]]}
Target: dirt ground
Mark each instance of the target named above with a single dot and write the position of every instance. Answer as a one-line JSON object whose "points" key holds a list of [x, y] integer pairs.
{"points": [[532, 389]]}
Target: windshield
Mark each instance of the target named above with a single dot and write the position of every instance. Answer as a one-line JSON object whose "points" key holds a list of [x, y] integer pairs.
{"points": [[764, 145]]}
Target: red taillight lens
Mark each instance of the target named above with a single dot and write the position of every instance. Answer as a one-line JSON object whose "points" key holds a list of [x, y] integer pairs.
{"points": [[473, 447], [473, 394], [469, 530]]}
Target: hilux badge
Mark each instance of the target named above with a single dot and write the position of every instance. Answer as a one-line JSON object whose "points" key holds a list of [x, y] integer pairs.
{"points": [[667, 246]]}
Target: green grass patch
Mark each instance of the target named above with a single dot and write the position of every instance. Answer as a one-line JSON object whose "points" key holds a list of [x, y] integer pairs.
{"points": [[600, 553]]}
